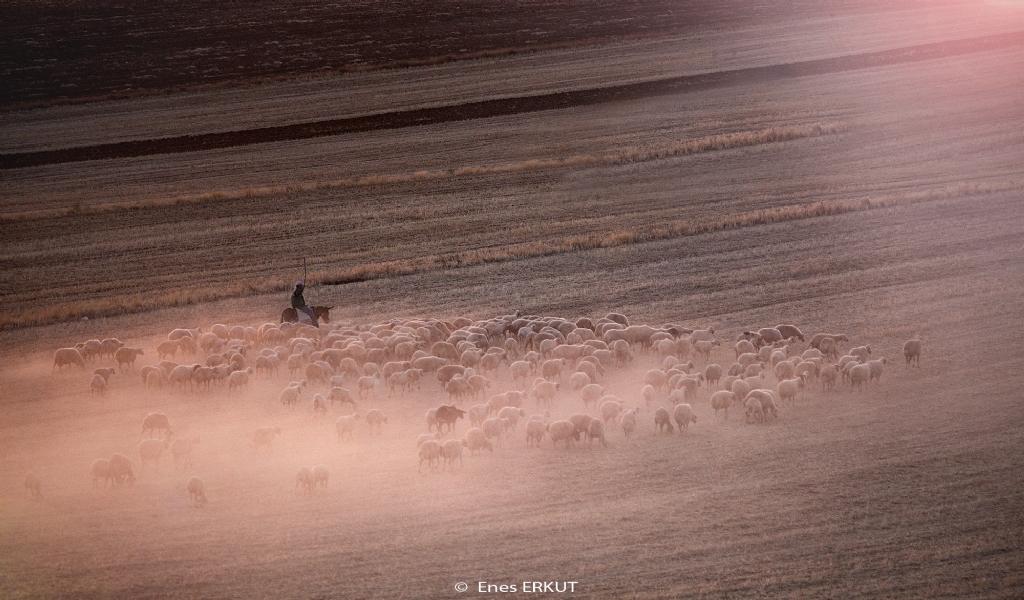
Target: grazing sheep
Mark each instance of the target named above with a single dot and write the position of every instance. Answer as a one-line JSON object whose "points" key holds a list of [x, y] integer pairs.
{"points": [[182, 447], [520, 370], [861, 352], [767, 400], [167, 348], [859, 375], [712, 374], [100, 469], [239, 379], [121, 469], [628, 421], [426, 437], [662, 420], [829, 347], [544, 392], [704, 348], [656, 378], [703, 335], [610, 408], [741, 388], [33, 485], [649, 394], [341, 395], [493, 428], [319, 406], [579, 379], [304, 478], [512, 415], [552, 369], [596, 431], [290, 395], [835, 337], [98, 385], [784, 370], [477, 440], [105, 373], [154, 421], [375, 418], [68, 356], [320, 475], [754, 413], [563, 430], [264, 436], [446, 415], [127, 356], [535, 430], [151, 450], [721, 400], [770, 335], [196, 491], [451, 450], [346, 424], [789, 388], [790, 331], [912, 351], [829, 374], [477, 414], [683, 415], [876, 368]]}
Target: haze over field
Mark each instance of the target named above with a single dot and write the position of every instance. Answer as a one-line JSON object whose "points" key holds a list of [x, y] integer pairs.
{"points": [[852, 169]]}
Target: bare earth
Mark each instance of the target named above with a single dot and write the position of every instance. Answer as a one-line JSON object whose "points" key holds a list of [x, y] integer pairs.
{"points": [[913, 487]]}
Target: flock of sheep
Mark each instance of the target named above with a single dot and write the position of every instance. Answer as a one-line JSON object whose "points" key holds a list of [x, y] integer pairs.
{"points": [[552, 362]]}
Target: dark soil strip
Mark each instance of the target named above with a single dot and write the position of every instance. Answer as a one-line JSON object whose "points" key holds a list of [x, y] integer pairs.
{"points": [[508, 106]]}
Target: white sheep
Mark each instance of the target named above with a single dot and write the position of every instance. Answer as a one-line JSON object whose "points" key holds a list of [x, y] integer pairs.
{"points": [[477, 414], [512, 415], [156, 421], [579, 379], [703, 335], [239, 379], [829, 374], [591, 393], [151, 450], [375, 418], [493, 428], [912, 351], [346, 424], [721, 400], [596, 431], [683, 415], [68, 356], [861, 352], [712, 374], [649, 394], [704, 348], [789, 388], [196, 491], [319, 406], [859, 375], [535, 430], [477, 440], [290, 395], [610, 408], [544, 392], [754, 411], [426, 437], [127, 356], [340, 394], [320, 474], [98, 385], [121, 469], [100, 469], [563, 430], [663, 421], [628, 421], [430, 451], [876, 368], [451, 450], [182, 447]]}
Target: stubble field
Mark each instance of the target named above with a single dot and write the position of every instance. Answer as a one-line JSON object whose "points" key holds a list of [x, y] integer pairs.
{"points": [[881, 202]]}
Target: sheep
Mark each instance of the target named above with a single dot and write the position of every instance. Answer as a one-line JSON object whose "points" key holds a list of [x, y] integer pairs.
{"points": [[596, 431], [167, 348], [196, 491], [33, 485], [662, 420], [151, 450], [784, 370], [446, 416], [477, 440], [656, 378], [127, 356], [649, 394], [425, 437], [712, 374], [835, 337], [579, 379], [744, 347], [721, 400], [741, 388], [520, 370], [745, 360], [689, 386], [563, 430], [535, 430], [341, 395], [239, 379], [289, 396], [181, 374], [375, 418], [451, 450], [628, 421], [319, 406], [346, 424], [109, 346], [182, 447], [669, 362], [829, 374], [552, 369], [610, 408], [753, 370], [861, 352], [790, 331], [264, 436], [105, 373], [912, 351], [683, 415], [512, 415], [703, 335], [770, 335], [120, 469], [304, 478], [829, 348], [68, 356], [98, 385], [859, 375], [754, 412], [494, 427], [320, 475], [544, 392], [704, 348], [876, 368], [100, 469], [477, 414], [767, 400], [789, 388], [809, 369], [154, 421], [591, 393]]}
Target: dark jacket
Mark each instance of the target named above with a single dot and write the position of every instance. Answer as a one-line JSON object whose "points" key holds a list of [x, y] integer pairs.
{"points": [[297, 299]]}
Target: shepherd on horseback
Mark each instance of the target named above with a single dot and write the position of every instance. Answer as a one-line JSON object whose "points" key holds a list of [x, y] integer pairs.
{"points": [[299, 303]]}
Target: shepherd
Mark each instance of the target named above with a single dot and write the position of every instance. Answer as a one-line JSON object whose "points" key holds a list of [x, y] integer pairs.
{"points": [[299, 303]]}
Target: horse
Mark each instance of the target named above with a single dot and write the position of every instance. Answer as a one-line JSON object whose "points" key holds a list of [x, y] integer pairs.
{"points": [[290, 315]]}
